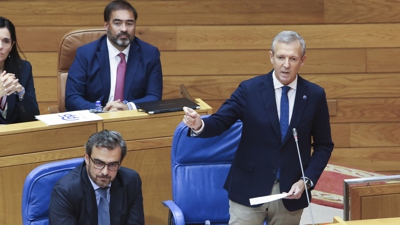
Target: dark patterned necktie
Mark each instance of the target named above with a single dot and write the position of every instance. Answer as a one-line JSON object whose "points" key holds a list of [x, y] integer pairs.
{"points": [[119, 86], [284, 120], [103, 208]]}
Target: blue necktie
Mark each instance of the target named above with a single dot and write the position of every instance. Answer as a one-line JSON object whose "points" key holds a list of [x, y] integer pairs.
{"points": [[284, 120], [103, 207]]}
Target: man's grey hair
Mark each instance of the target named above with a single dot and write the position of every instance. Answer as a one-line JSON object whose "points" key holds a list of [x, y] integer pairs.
{"points": [[289, 37]]}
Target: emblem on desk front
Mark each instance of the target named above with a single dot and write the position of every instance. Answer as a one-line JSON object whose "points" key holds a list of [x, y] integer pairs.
{"points": [[69, 117]]}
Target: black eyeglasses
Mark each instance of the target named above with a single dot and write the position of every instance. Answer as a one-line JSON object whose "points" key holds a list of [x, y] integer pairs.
{"points": [[97, 164]]}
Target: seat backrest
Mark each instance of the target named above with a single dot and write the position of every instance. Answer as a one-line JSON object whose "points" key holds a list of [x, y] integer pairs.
{"points": [[199, 169], [38, 187], [70, 42]]}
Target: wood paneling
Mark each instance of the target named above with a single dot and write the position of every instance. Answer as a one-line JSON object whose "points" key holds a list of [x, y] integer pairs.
{"points": [[207, 12], [368, 110], [357, 86], [227, 37], [42, 142], [374, 201], [48, 39], [257, 62], [383, 60], [379, 159], [45, 88], [361, 11], [375, 134], [260, 36], [44, 64]]}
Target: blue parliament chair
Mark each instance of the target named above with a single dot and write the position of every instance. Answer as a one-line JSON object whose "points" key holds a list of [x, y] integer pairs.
{"points": [[38, 187], [199, 169]]}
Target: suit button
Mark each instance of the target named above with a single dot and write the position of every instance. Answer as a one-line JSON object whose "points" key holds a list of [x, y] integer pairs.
{"points": [[274, 171]]}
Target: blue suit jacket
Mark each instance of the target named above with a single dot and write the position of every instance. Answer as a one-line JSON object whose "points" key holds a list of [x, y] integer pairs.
{"points": [[89, 75], [25, 110], [73, 200], [261, 151]]}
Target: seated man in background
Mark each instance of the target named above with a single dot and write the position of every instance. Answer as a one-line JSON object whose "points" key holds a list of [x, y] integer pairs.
{"points": [[99, 191], [118, 69]]}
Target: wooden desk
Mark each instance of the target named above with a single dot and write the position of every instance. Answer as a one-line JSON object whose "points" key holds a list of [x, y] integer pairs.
{"points": [[386, 221], [28, 145]]}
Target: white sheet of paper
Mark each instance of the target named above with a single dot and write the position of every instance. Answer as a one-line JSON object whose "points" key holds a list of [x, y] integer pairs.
{"points": [[68, 117], [268, 198]]}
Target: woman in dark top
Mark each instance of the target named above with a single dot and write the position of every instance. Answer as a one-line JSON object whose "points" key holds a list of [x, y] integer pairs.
{"points": [[17, 92]]}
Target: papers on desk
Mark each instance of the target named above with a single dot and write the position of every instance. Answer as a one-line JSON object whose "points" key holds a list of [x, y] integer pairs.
{"points": [[68, 117], [268, 198]]}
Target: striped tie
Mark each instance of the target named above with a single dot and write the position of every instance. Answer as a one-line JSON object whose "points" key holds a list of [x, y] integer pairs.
{"points": [[3, 102], [103, 207]]}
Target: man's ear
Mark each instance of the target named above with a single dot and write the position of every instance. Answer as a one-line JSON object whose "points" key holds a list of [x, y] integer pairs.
{"points": [[87, 159], [303, 59], [271, 56]]}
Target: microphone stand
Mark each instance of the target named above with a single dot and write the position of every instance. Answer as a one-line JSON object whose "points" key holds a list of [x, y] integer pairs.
{"points": [[302, 172]]}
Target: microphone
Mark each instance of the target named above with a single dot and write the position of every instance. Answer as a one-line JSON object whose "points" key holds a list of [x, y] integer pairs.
{"points": [[302, 172]]}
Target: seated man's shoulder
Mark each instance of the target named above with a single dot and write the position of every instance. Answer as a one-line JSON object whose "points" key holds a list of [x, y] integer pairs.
{"points": [[144, 44], [129, 176], [92, 46], [71, 179]]}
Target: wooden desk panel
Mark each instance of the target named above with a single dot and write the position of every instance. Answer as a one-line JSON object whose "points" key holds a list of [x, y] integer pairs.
{"points": [[148, 137], [387, 221]]}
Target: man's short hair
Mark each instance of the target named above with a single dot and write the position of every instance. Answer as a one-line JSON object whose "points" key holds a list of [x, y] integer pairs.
{"points": [[289, 37], [118, 5], [107, 139]]}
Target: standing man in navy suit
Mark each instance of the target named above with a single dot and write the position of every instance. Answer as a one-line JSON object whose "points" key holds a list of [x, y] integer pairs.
{"points": [[93, 76], [266, 161]]}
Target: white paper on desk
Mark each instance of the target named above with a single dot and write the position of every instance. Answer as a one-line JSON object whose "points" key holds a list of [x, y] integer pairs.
{"points": [[68, 117], [268, 198]]}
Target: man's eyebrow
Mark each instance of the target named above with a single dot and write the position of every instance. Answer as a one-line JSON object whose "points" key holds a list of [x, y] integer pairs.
{"points": [[119, 20], [105, 162]]}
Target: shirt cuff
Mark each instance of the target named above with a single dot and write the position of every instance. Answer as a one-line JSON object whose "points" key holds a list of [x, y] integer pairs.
{"points": [[131, 105], [194, 133], [21, 94]]}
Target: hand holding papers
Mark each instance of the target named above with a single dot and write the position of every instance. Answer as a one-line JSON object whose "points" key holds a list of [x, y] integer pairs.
{"points": [[268, 198]]}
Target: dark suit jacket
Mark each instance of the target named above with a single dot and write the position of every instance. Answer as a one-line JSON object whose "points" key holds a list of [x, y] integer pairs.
{"points": [[25, 110], [89, 75], [73, 200], [261, 151]]}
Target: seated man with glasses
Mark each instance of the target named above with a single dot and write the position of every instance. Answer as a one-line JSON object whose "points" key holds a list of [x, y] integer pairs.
{"points": [[99, 191]]}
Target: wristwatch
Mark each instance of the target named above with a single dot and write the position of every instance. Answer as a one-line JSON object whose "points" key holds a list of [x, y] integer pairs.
{"points": [[21, 94], [309, 183]]}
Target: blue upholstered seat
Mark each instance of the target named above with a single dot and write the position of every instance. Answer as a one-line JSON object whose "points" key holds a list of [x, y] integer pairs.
{"points": [[38, 187], [199, 169]]}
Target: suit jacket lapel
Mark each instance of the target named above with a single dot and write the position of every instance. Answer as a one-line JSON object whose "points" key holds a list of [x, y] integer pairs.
{"points": [[117, 194], [104, 63], [90, 196], [299, 104], [268, 94], [131, 68]]}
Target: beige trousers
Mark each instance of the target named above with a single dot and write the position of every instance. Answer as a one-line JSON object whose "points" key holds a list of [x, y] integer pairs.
{"points": [[275, 213]]}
